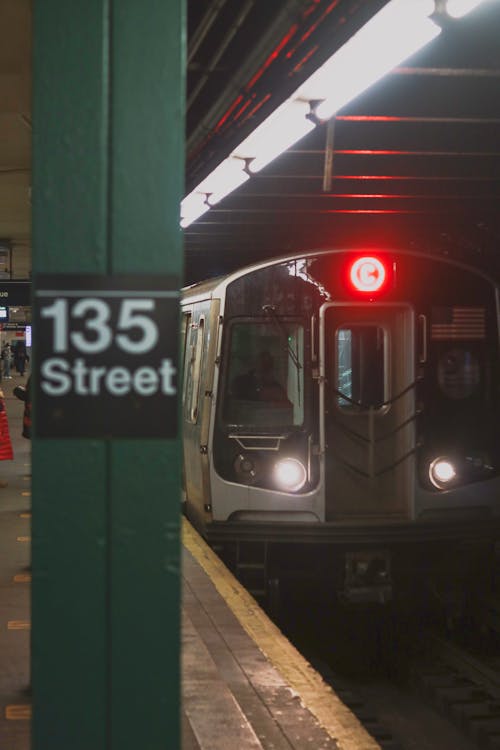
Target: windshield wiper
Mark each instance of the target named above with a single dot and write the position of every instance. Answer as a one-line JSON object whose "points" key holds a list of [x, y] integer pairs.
{"points": [[271, 310]]}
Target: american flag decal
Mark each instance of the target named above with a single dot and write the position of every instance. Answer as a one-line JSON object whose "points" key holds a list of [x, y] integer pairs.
{"points": [[458, 323]]}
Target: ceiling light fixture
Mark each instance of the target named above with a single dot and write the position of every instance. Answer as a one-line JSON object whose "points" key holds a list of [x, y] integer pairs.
{"points": [[460, 8], [193, 206], [287, 125], [225, 178], [398, 30]]}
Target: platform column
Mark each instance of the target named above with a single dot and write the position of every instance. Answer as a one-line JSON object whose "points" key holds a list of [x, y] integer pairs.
{"points": [[108, 136]]}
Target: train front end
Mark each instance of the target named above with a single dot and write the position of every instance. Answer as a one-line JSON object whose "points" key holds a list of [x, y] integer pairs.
{"points": [[356, 420]]}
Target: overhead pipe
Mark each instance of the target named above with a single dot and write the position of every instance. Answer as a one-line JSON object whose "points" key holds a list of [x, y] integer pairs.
{"points": [[329, 151], [239, 80], [204, 27], [220, 51]]}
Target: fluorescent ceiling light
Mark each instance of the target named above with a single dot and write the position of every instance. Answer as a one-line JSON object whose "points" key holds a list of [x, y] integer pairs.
{"points": [[459, 8], [229, 175], [398, 30], [193, 206], [287, 125], [225, 178]]}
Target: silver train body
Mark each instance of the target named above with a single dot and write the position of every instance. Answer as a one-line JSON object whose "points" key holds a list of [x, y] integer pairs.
{"points": [[366, 448]]}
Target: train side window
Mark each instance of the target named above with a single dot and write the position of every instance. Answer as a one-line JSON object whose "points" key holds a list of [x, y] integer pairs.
{"points": [[194, 360], [185, 349], [360, 378]]}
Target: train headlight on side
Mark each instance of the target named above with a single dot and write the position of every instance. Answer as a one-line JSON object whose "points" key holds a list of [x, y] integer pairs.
{"points": [[290, 474], [442, 472]]}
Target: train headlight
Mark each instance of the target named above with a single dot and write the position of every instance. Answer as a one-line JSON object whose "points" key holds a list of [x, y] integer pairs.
{"points": [[290, 474], [442, 472]]}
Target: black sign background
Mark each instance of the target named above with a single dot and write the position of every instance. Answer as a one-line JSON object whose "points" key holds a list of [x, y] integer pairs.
{"points": [[14, 293], [102, 414]]}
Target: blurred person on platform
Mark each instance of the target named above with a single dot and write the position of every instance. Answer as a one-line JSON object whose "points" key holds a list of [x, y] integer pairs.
{"points": [[6, 361], [23, 393], [21, 357]]}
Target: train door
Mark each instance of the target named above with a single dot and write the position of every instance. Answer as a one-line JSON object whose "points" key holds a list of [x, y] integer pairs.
{"points": [[367, 399]]}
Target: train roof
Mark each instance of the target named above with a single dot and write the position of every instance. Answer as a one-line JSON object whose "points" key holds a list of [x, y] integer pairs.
{"points": [[206, 289]]}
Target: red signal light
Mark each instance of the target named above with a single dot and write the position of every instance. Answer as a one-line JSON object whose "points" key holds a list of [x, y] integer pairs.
{"points": [[367, 274]]}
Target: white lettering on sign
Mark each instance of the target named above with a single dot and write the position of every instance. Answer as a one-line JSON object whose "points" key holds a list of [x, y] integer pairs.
{"points": [[59, 377], [135, 333], [98, 334]]}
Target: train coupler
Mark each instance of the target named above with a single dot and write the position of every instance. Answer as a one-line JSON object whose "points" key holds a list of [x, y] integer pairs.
{"points": [[367, 577]]}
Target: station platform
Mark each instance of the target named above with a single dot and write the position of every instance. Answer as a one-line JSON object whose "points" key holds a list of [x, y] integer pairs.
{"points": [[15, 579], [244, 686]]}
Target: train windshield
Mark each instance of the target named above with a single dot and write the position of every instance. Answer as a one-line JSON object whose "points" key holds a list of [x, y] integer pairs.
{"points": [[265, 375]]}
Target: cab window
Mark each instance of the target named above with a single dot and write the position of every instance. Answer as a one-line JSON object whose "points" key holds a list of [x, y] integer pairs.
{"points": [[264, 375]]}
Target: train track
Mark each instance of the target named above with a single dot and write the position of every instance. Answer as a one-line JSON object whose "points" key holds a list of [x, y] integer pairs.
{"points": [[462, 687], [415, 688], [408, 684], [373, 680]]}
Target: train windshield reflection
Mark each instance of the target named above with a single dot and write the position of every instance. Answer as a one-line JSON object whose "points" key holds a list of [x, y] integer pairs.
{"points": [[264, 375]]}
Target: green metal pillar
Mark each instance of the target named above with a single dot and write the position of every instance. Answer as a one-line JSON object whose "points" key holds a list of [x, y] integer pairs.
{"points": [[107, 182]]}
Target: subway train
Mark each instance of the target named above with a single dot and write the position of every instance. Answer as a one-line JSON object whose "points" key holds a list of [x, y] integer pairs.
{"points": [[341, 424]]}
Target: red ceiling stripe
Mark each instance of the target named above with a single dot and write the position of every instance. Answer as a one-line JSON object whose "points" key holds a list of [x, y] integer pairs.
{"points": [[228, 111], [274, 54]]}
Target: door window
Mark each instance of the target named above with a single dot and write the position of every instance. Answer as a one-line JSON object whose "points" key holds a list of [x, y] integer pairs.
{"points": [[193, 370], [361, 367]]}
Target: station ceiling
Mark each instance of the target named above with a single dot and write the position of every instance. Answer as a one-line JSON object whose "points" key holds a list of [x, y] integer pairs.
{"points": [[15, 136], [415, 161]]}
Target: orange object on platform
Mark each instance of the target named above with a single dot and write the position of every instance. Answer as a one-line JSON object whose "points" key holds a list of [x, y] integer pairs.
{"points": [[6, 452]]}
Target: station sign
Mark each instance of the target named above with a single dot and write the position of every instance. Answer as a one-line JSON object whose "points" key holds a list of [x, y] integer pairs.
{"points": [[106, 355], [15, 293]]}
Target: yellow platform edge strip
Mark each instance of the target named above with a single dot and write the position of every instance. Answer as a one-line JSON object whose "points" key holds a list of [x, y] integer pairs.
{"points": [[318, 697]]}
